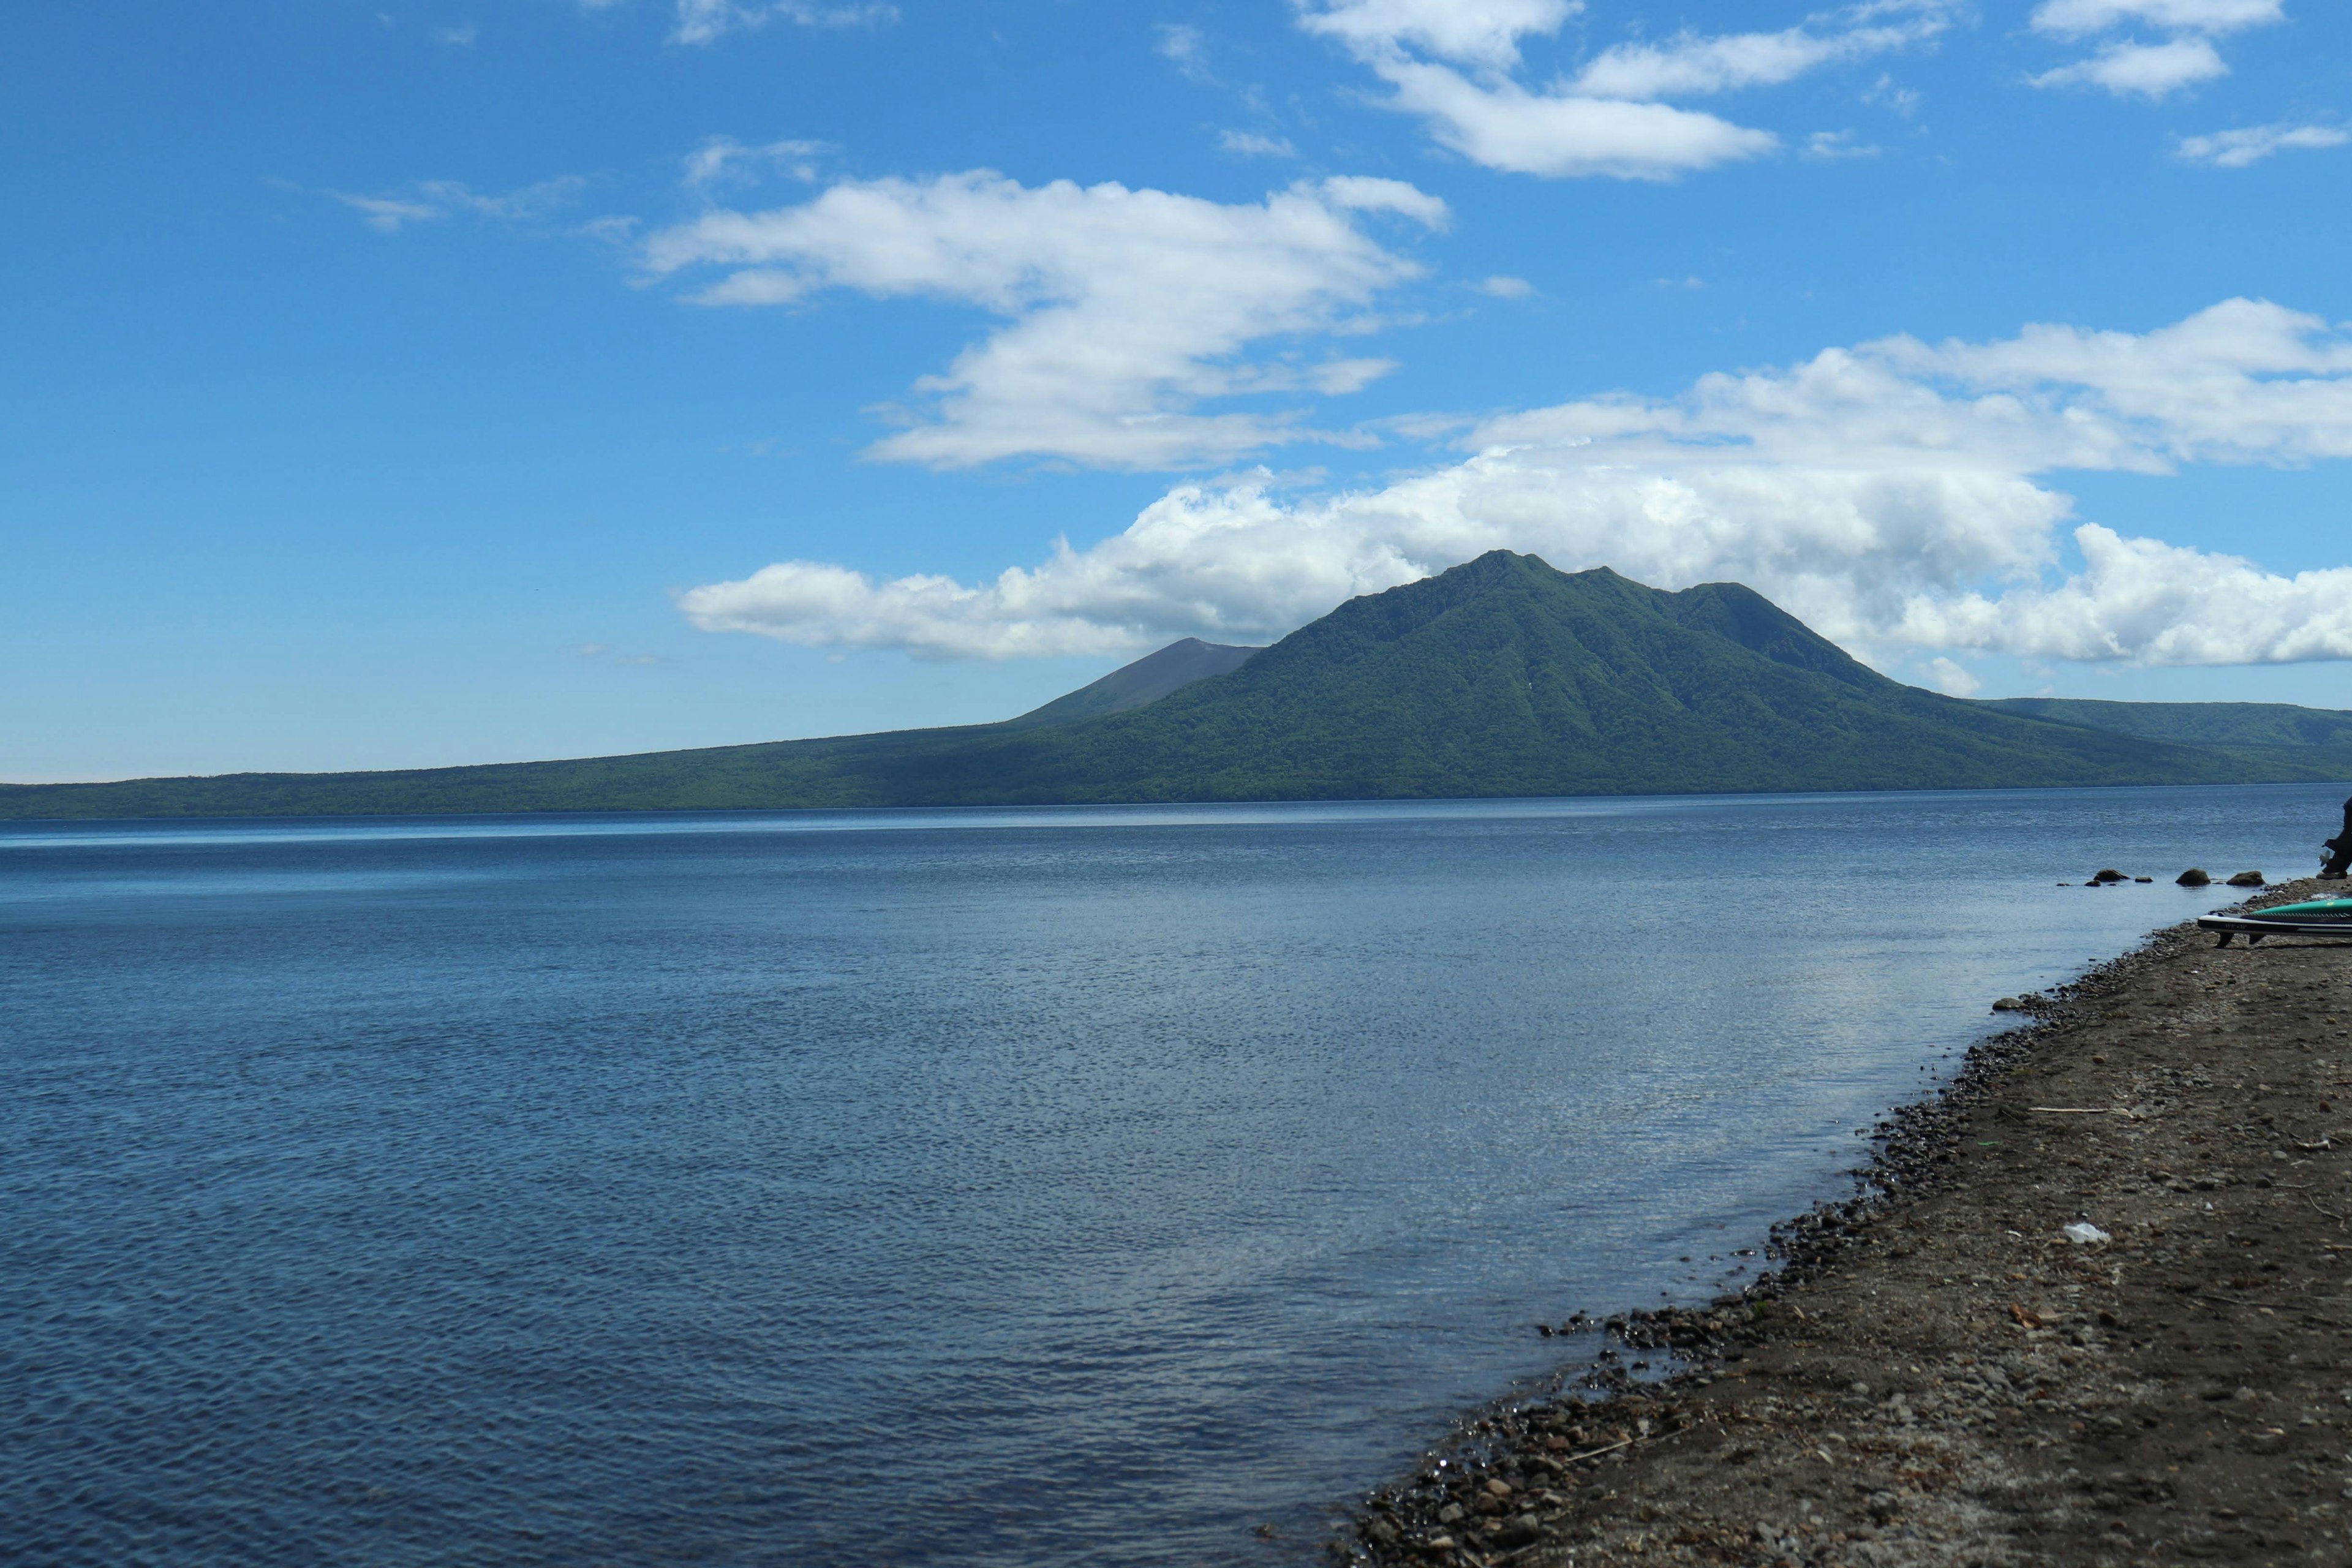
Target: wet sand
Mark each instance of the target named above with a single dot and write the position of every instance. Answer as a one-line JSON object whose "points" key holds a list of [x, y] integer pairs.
{"points": [[1938, 1374]]}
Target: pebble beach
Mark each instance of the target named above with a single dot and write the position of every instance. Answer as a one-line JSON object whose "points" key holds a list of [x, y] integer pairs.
{"points": [[2089, 1306]]}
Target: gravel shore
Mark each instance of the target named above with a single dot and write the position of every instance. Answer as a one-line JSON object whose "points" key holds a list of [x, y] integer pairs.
{"points": [[1937, 1373]]}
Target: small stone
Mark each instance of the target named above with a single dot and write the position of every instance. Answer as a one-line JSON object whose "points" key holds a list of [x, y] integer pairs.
{"points": [[2193, 878], [1450, 1514], [1382, 1532], [2110, 874], [2248, 879], [1498, 1486]]}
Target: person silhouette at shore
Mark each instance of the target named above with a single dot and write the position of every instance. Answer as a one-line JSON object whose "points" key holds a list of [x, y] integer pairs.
{"points": [[2339, 848]]}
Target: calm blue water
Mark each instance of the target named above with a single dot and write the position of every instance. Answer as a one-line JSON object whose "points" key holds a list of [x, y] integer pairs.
{"points": [[1036, 1188]]}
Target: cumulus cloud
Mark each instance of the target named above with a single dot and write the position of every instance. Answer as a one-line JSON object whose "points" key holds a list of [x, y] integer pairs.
{"points": [[2152, 603], [1452, 63], [703, 21], [428, 200], [1503, 126], [1891, 494], [1951, 677], [1125, 310], [2237, 149], [2146, 70], [2128, 66]]}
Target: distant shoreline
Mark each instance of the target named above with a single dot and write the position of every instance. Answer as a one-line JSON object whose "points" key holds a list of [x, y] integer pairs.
{"points": [[1938, 1374], [10, 803]]}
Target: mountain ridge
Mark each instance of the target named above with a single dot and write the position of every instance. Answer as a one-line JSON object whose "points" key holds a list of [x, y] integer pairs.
{"points": [[1145, 682], [1500, 676]]}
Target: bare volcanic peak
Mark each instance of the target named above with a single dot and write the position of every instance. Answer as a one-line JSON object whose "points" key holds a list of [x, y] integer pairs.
{"points": [[1501, 677]]}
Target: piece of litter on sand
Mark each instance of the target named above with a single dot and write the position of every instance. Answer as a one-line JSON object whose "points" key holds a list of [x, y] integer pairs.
{"points": [[2083, 1234]]}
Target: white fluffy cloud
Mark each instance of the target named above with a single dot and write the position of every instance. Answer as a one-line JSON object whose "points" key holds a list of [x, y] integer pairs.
{"points": [[1890, 494], [1452, 63], [1952, 678], [702, 21], [2252, 144], [1125, 310], [1503, 126], [2146, 70], [2127, 66], [2152, 603]]}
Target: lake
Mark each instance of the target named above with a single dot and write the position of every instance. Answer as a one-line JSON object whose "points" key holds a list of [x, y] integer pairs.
{"points": [[1028, 1188]]}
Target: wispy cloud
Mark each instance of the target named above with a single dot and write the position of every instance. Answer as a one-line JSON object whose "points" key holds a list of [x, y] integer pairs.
{"points": [[1837, 144], [2237, 149], [1125, 310], [1453, 64], [722, 162], [428, 200], [704, 21], [1888, 92], [2081, 18], [457, 37], [604, 653], [1186, 48], [1688, 65], [1250, 144]]}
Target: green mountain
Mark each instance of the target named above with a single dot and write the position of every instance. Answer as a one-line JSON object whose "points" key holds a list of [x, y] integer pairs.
{"points": [[1501, 677], [1147, 680], [2259, 735]]}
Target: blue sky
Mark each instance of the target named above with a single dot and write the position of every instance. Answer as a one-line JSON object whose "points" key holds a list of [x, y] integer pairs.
{"points": [[407, 386]]}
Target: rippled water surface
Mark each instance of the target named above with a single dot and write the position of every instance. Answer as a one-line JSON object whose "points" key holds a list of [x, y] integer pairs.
{"points": [[1036, 1188]]}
